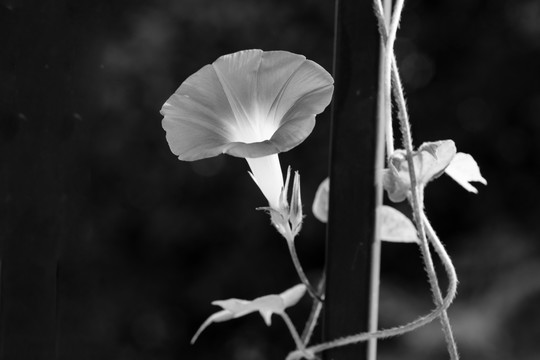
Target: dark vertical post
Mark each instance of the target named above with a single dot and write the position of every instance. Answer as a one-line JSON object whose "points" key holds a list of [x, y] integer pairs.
{"points": [[351, 225]]}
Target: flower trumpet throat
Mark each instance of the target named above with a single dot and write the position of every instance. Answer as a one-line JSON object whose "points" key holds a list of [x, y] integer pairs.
{"points": [[266, 173]]}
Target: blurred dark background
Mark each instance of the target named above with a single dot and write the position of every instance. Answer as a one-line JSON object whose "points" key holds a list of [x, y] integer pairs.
{"points": [[102, 224]]}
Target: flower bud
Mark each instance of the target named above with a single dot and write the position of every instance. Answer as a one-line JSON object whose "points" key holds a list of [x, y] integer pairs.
{"points": [[284, 196], [295, 212]]}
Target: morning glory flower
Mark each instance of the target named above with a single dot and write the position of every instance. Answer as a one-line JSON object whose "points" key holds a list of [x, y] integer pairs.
{"points": [[252, 104]]}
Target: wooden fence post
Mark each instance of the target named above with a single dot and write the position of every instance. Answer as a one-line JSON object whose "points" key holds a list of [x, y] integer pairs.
{"points": [[354, 133]]}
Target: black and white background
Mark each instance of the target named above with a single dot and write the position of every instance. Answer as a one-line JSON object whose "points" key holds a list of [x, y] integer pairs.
{"points": [[111, 248]]}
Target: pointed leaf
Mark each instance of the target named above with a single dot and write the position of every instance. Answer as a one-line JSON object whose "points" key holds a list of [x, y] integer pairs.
{"points": [[220, 316], [267, 316], [464, 169], [396, 227], [237, 307]]}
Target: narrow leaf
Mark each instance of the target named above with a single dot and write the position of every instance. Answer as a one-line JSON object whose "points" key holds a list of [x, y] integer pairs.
{"points": [[236, 306], [220, 316]]}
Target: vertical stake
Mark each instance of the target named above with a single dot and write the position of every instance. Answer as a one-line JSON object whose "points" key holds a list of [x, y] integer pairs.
{"points": [[355, 147]]}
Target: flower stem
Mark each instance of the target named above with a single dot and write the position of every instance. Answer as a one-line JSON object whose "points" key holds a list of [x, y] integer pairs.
{"points": [[430, 269], [439, 248], [398, 330], [300, 270], [416, 200], [374, 296], [384, 119], [315, 312], [445, 321], [299, 344], [417, 204], [385, 131]]}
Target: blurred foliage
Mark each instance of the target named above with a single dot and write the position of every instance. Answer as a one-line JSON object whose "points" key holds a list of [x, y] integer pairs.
{"points": [[155, 240]]}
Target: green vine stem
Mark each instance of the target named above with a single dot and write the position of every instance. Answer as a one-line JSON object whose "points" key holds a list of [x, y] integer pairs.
{"points": [[399, 330], [299, 269], [299, 344], [439, 247], [423, 226], [384, 109], [314, 314], [417, 205], [374, 283], [416, 198], [394, 331], [385, 131]]}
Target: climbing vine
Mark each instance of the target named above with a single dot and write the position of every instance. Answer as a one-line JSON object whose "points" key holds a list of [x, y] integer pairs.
{"points": [[255, 104]]}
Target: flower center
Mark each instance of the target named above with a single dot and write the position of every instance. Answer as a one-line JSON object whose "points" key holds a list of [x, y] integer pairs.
{"points": [[257, 127]]}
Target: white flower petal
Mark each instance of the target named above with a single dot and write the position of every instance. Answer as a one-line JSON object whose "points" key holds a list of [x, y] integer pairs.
{"points": [[253, 150], [237, 74], [247, 104], [266, 172], [276, 71], [198, 117], [307, 92], [299, 120]]}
